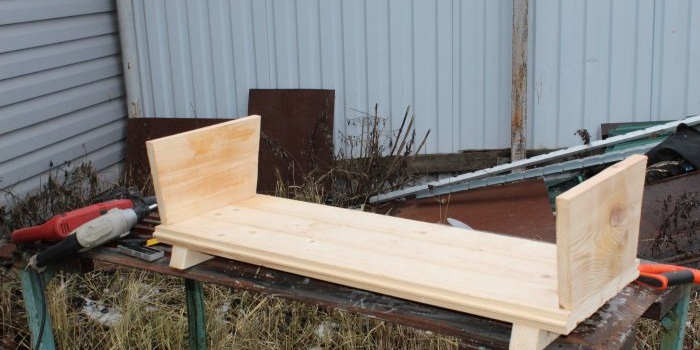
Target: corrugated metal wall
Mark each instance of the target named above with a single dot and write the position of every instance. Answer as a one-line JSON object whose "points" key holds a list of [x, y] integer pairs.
{"points": [[589, 62], [593, 62], [61, 90], [448, 59]]}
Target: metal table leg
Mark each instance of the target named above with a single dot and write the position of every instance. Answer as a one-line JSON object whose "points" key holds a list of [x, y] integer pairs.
{"points": [[674, 322], [35, 303], [195, 315]]}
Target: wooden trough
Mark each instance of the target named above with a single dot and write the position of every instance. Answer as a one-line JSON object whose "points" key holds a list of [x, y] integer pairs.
{"points": [[205, 183]]}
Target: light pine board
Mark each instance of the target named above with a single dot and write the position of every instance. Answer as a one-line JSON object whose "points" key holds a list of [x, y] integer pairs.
{"points": [[597, 232], [495, 276], [203, 169]]}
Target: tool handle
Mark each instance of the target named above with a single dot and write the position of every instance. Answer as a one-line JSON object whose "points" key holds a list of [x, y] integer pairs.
{"points": [[112, 225], [39, 232], [60, 226], [667, 279], [65, 247], [665, 268]]}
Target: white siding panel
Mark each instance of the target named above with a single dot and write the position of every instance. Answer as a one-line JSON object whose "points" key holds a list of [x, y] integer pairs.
{"points": [[32, 34], [672, 57], [600, 61], [24, 114], [201, 58], [61, 91], [590, 62], [41, 58], [19, 11], [49, 81], [74, 149], [27, 140], [693, 69]]}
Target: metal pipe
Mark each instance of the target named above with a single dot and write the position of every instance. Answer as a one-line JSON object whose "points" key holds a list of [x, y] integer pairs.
{"points": [[132, 77]]}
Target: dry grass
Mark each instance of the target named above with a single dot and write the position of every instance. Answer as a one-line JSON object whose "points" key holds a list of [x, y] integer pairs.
{"points": [[153, 316], [649, 332]]}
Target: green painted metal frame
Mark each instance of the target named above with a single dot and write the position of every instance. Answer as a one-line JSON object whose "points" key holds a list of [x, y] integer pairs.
{"points": [[674, 321], [195, 315], [34, 300], [33, 284]]}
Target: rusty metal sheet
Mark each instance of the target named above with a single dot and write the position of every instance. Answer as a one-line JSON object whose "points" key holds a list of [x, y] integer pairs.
{"points": [[670, 225], [297, 133], [518, 209]]}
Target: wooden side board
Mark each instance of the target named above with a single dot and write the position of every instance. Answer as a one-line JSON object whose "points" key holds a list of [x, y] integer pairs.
{"points": [[203, 169], [597, 234], [543, 289]]}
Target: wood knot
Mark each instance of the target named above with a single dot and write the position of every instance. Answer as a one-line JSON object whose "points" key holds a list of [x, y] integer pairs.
{"points": [[618, 215]]}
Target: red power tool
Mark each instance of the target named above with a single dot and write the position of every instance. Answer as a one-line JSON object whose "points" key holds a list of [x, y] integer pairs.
{"points": [[58, 227]]}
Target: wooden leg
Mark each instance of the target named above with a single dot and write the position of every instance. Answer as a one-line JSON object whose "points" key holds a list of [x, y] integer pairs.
{"points": [[182, 258], [528, 338]]}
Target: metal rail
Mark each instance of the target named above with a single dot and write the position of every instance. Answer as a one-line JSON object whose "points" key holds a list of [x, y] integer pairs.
{"points": [[489, 172], [538, 172]]}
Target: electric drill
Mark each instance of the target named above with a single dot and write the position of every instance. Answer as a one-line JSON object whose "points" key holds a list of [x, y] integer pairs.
{"points": [[114, 224]]}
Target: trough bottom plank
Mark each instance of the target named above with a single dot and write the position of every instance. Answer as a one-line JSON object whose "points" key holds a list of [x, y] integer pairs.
{"points": [[183, 258], [530, 338]]}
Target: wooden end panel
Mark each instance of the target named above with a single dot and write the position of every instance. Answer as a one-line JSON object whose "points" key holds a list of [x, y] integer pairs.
{"points": [[204, 169], [598, 232]]}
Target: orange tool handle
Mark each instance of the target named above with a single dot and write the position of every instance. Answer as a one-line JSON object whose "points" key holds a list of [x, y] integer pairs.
{"points": [[662, 276]]}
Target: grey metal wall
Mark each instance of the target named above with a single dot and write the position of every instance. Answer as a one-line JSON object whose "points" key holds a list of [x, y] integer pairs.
{"points": [[61, 90], [448, 59], [593, 62], [589, 62]]}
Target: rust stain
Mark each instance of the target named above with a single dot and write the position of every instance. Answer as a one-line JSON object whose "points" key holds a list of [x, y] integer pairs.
{"points": [[518, 209]]}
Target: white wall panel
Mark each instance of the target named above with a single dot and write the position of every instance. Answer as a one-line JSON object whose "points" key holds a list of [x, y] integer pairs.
{"points": [[61, 91], [590, 62], [199, 58], [599, 61]]}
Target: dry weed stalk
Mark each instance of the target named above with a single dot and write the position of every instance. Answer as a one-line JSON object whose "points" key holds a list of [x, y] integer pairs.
{"points": [[363, 168]]}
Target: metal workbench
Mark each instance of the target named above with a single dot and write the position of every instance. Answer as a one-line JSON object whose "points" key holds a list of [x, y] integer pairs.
{"points": [[612, 327]]}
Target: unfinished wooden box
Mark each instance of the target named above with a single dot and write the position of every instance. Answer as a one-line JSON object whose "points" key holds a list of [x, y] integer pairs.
{"points": [[205, 184]]}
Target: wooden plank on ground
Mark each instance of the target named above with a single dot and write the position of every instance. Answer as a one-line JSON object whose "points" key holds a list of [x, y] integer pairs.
{"points": [[204, 169], [597, 233]]}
